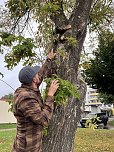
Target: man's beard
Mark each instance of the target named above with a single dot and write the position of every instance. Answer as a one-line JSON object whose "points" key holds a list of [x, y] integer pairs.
{"points": [[38, 84]]}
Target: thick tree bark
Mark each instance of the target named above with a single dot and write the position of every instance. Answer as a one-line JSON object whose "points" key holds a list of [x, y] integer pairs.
{"points": [[62, 128]]}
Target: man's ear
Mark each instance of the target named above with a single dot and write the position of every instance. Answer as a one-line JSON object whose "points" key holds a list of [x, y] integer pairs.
{"points": [[34, 79]]}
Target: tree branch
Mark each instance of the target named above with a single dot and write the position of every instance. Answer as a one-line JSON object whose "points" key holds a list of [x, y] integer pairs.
{"points": [[26, 21], [80, 13], [16, 22], [59, 17]]}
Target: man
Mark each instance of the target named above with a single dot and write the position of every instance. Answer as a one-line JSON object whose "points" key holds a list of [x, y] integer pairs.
{"points": [[31, 112]]}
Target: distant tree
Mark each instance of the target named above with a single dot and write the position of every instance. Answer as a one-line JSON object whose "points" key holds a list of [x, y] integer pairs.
{"points": [[100, 72], [106, 98], [9, 98]]}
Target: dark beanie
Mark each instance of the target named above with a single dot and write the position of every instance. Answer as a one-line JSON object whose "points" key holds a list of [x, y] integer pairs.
{"points": [[27, 73]]}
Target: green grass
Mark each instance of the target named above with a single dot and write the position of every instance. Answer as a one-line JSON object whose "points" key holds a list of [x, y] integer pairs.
{"points": [[7, 126], [111, 123], [87, 140], [6, 140], [98, 140]]}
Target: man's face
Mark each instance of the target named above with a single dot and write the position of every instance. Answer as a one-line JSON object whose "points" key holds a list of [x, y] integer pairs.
{"points": [[37, 79]]}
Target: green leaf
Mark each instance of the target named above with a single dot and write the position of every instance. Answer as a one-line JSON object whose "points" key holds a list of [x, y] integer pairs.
{"points": [[65, 90]]}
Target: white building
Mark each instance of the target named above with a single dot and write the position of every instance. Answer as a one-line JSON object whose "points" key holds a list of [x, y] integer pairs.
{"points": [[91, 95], [93, 105]]}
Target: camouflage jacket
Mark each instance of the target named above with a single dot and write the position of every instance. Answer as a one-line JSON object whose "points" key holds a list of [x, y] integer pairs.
{"points": [[32, 115]]}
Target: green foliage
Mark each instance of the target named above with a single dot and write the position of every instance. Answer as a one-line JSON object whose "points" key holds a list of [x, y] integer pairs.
{"points": [[9, 98], [65, 90], [102, 13], [92, 123], [68, 7], [106, 98], [6, 38], [45, 131], [100, 73], [50, 7], [18, 8], [72, 41], [10, 104], [22, 51], [40, 11]]}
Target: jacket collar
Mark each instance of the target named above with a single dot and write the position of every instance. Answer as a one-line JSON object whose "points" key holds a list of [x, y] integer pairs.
{"points": [[29, 87]]}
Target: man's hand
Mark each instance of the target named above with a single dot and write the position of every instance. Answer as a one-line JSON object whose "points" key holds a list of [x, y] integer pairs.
{"points": [[53, 87], [51, 54]]}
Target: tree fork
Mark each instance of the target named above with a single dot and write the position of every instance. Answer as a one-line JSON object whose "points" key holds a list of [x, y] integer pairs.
{"points": [[62, 128]]}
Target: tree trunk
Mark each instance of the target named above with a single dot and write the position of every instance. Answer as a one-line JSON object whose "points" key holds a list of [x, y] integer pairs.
{"points": [[62, 128]]}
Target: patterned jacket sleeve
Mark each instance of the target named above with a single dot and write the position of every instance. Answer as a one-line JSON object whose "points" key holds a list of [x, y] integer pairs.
{"points": [[44, 69], [33, 111]]}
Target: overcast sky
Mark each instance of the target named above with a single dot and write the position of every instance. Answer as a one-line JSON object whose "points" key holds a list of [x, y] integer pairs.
{"points": [[10, 77]]}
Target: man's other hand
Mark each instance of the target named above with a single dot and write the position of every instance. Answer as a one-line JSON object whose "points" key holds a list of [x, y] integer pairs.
{"points": [[53, 87]]}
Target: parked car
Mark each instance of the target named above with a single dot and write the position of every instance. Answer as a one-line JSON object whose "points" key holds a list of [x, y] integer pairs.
{"points": [[94, 118]]}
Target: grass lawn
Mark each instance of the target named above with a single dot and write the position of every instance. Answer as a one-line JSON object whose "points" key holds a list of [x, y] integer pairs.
{"points": [[98, 140], [6, 140], [7, 126], [87, 140], [111, 123]]}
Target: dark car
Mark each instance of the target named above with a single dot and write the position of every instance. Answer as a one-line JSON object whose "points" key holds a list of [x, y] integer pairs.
{"points": [[94, 118]]}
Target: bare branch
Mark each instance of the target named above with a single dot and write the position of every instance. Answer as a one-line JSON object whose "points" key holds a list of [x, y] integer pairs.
{"points": [[26, 21], [18, 20]]}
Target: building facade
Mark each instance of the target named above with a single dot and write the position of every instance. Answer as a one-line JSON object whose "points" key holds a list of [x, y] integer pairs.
{"points": [[6, 116], [93, 105]]}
